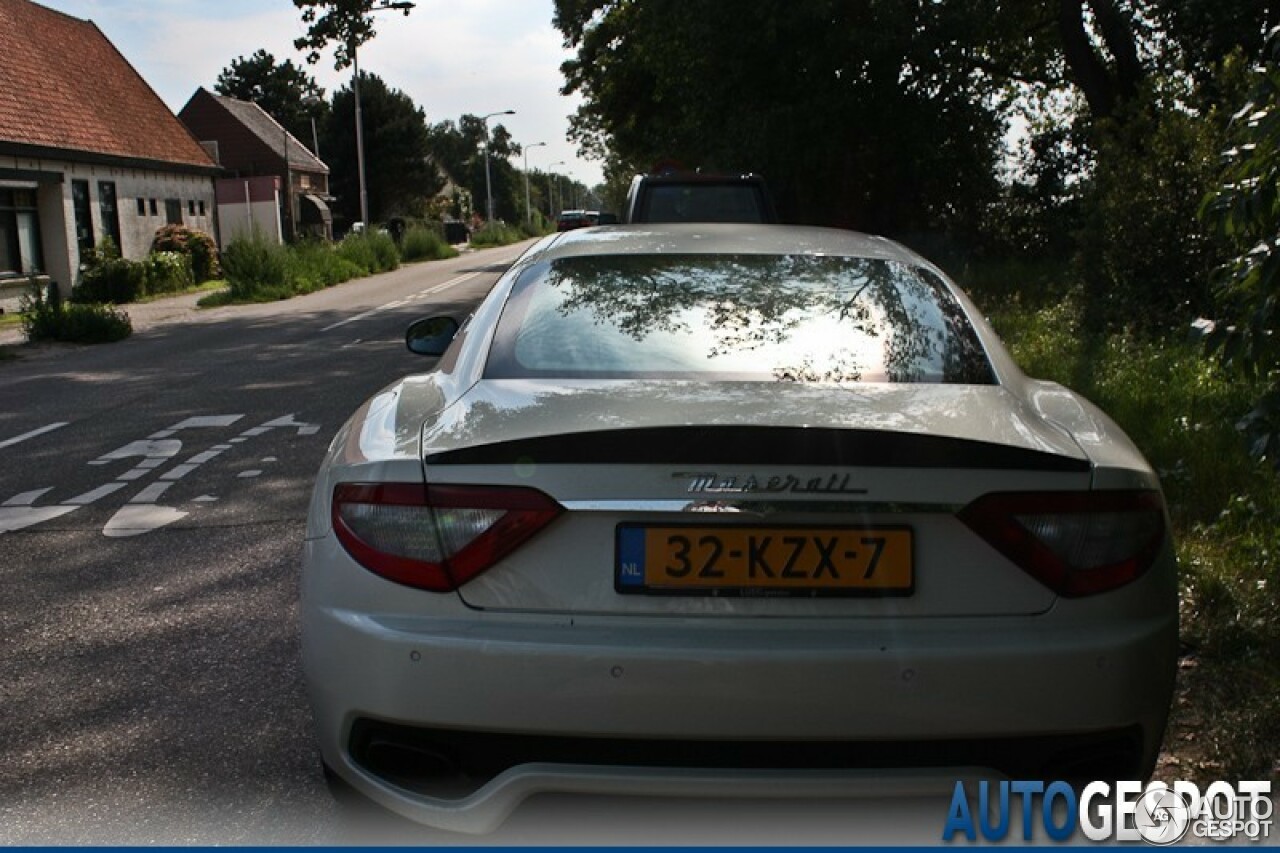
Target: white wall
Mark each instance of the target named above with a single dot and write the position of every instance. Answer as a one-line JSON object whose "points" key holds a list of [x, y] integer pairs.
{"points": [[57, 212]]}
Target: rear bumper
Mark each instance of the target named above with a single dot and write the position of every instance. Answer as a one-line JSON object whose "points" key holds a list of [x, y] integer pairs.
{"points": [[926, 701]]}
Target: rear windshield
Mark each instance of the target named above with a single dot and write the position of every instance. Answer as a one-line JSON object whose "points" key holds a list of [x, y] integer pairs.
{"points": [[785, 318], [701, 203]]}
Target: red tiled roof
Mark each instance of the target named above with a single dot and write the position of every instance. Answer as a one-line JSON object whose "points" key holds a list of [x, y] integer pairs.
{"points": [[63, 85]]}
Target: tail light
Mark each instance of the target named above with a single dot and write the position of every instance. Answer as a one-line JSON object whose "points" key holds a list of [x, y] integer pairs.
{"points": [[435, 537], [1076, 543]]}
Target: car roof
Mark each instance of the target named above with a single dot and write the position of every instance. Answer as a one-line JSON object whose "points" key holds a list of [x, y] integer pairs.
{"points": [[698, 238]]}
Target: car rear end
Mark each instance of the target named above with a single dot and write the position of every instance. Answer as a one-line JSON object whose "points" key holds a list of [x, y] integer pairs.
{"points": [[643, 584]]}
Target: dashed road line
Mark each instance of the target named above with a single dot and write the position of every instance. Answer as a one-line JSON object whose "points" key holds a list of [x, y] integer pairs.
{"points": [[399, 302], [9, 442]]}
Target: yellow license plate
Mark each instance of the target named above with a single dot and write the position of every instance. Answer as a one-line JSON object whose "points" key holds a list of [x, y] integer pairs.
{"points": [[763, 561]]}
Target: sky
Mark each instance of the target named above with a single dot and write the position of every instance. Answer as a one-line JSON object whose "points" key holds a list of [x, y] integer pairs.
{"points": [[450, 56]]}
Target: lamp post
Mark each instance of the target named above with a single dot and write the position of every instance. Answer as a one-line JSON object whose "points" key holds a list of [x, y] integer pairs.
{"points": [[551, 192], [402, 6], [528, 211], [488, 186]]}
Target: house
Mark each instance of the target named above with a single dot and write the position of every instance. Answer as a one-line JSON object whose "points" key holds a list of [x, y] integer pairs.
{"points": [[249, 144], [87, 150]]}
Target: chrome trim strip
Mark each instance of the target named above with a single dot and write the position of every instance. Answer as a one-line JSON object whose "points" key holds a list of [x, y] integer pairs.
{"points": [[763, 508]]}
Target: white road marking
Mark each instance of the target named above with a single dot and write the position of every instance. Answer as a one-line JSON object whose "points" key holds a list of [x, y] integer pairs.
{"points": [[151, 493], [396, 304], [26, 498], [198, 422], [134, 520], [151, 449], [9, 442], [94, 494], [245, 475], [18, 517], [142, 513]]}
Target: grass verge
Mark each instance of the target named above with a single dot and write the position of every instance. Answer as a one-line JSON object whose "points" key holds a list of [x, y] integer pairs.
{"points": [[1181, 410]]}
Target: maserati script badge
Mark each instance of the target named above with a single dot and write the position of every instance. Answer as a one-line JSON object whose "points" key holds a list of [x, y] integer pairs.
{"points": [[712, 482]]}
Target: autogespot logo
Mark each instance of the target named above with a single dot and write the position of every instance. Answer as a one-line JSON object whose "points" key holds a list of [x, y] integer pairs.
{"points": [[1159, 814]]}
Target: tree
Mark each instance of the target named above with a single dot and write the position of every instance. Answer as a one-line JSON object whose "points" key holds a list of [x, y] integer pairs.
{"points": [[858, 113], [286, 92], [459, 150], [1246, 209], [346, 24], [400, 173]]}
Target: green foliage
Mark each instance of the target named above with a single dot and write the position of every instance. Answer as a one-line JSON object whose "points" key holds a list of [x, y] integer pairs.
{"points": [[256, 270], [260, 271], [1245, 208], [195, 244], [284, 91], [1144, 255], [346, 24], [1177, 407], [167, 272], [869, 115], [422, 243], [106, 277], [314, 266], [496, 234], [48, 319], [371, 251], [399, 172]]}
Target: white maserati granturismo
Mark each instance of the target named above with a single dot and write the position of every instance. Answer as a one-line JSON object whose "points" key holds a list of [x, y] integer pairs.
{"points": [[728, 509]]}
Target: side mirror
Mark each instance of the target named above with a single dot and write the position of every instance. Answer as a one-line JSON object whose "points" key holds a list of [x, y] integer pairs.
{"points": [[430, 336]]}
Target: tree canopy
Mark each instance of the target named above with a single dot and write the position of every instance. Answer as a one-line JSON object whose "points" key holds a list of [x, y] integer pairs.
{"points": [[400, 172], [285, 91], [346, 24]]}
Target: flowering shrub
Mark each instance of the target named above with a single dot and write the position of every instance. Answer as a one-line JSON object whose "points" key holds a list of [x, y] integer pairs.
{"points": [[196, 245]]}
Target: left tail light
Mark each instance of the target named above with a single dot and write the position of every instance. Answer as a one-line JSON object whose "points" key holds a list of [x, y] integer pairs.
{"points": [[435, 537], [1075, 543]]}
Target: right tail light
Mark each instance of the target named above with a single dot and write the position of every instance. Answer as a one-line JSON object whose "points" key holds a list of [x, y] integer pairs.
{"points": [[1076, 543]]}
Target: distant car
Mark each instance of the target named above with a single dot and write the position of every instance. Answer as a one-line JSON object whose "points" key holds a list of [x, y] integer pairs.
{"points": [[698, 197], [571, 219], [728, 509]]}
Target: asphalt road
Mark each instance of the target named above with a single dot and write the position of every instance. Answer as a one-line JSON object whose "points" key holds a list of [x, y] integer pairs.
{"points": [[150, 533], [152, 503]]}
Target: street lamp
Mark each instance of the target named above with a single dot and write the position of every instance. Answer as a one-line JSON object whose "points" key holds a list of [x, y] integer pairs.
{"points": [[528, 212], [551, 193], [488, 186], [402, 6]]}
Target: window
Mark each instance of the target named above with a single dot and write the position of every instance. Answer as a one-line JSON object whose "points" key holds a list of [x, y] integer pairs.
{"points": [[84, 215], [19, 232], [202, 207], [142, 207], [191, 207], [107, 209], [153, 207], [173, 211], [784, 318]]}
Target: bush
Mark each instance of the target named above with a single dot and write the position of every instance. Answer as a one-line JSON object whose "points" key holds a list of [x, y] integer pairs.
{"points": [[49, 320], [110, 279], [256, 270], [313, 266], [168, 272], [496, 234], [196, 245], [372, 251], [422, 243]]}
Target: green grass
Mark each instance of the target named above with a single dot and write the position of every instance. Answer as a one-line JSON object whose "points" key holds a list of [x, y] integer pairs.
{"points": [[496, 234], [10, 318], [215, 284], [1181, 410]]}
